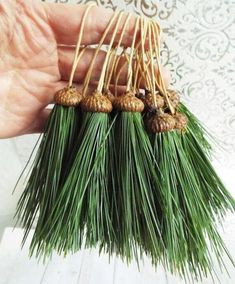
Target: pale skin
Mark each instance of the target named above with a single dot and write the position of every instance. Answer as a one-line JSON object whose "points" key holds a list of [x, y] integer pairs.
{"points": [[36, 54]]}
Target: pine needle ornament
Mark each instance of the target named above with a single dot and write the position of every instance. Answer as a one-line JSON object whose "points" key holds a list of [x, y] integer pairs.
{"points": [[193, 193], [87, 179], [126, 169], [53, 153]]}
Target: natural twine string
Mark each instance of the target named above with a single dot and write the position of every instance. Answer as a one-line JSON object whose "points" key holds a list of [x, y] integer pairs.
{"points": [[143, 70], [130, 70], [159, 78], [117, 73], [76, 57], [110, 68], [152, 73], [102, 76], [144, 73], [138, 68], [143, 64], [88, 75], [114, 63]]}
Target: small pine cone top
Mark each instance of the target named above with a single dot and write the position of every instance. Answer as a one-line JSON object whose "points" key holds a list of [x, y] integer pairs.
{"points": [[153, 100], [68, 96], [96, 102], [181, 121], [161, 123], [174, 98], [129, 103]]}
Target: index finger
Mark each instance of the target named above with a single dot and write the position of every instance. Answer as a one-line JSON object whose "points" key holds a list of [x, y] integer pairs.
{"points": [[65, 21]]}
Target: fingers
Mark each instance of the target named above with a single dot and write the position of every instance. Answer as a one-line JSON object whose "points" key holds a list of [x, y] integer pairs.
{"points": [[40, 122], [65, 21], [66, 56]]}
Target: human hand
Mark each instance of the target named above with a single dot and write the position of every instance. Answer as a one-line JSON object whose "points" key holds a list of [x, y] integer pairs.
{"points": [[36, 54]]}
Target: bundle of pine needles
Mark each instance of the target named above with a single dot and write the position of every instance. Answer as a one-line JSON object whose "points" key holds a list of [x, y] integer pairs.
{"points": [[128, 172]]}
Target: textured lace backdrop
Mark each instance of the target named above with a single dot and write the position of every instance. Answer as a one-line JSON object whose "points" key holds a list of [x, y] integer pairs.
{"points": [[200, 52]]}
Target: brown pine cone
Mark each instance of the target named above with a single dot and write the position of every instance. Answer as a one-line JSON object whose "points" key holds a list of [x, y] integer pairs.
{"points": [[161, 123], [173, 97], [68, 96], [128, 102], [150, 99], [181, 121], [96, 103]]}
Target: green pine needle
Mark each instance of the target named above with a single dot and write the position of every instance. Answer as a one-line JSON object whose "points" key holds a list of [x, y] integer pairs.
{"points": [[139, 230], [112, 186], [193, 197], [185, 212], [81, 213], [200, 132], [47, 169]]}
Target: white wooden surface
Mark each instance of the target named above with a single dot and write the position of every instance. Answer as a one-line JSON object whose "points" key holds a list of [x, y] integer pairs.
{"points": [[85, 267]]}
